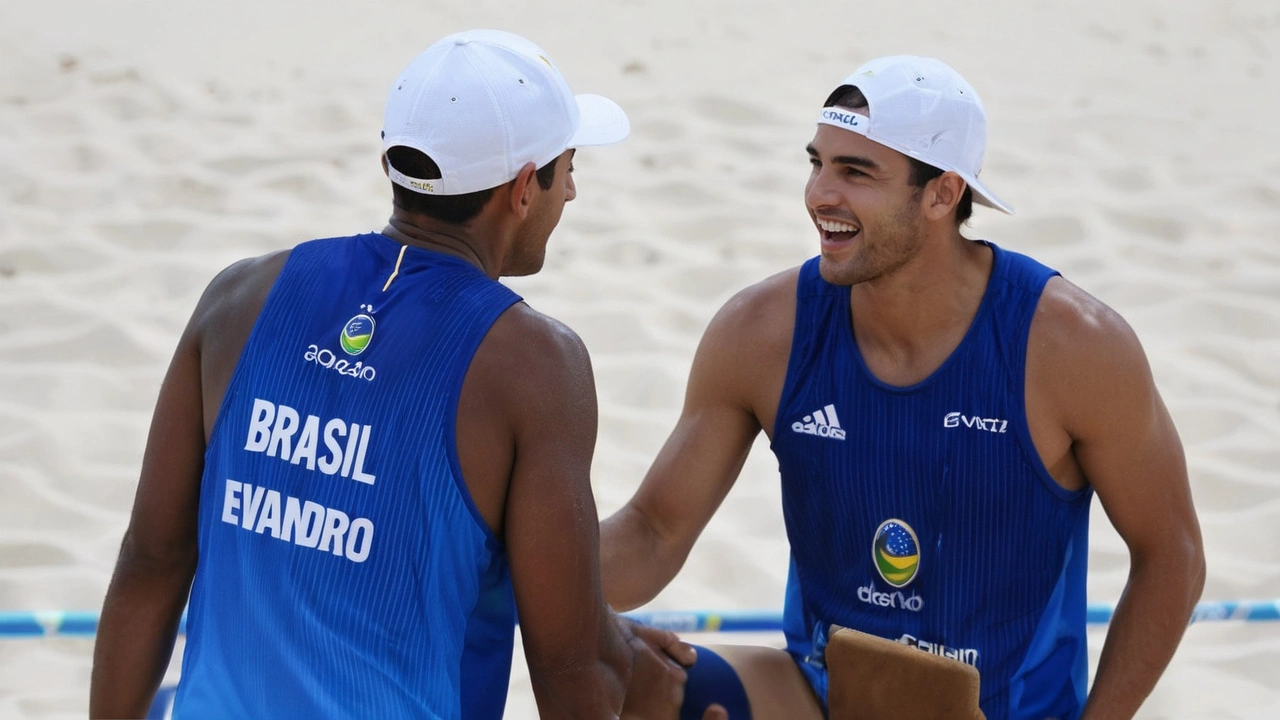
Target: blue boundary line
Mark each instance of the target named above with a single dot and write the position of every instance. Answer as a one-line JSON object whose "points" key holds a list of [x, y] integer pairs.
{"points": [[74, 623]]}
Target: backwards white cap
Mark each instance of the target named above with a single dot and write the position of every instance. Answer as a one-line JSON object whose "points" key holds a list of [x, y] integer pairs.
{"points": [[482, 104], [923, 109]]}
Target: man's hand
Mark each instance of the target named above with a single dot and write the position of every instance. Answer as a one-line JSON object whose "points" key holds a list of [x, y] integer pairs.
{"points": [[657, 676], [664, 640]]}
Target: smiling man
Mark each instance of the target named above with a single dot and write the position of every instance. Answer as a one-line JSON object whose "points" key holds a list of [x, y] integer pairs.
{"points": [[943, 412]]}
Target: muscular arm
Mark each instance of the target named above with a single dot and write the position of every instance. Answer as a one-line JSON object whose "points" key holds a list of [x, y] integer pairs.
{"points": [[733, 391], [158, 555], [157, 560], [1127, 448], [540, 378]]}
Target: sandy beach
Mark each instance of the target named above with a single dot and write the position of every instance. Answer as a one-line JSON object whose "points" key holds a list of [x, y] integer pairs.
{"points": [[146, 145]]}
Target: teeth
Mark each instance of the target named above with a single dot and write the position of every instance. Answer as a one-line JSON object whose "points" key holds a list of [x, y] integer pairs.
{"points": [[836, 226]]}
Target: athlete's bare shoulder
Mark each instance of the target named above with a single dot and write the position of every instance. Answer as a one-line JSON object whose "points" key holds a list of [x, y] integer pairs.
{"points": [[741, 361], [524, 336], [529, 359], [237, 293], [759, 313], [1082, 355], [222, 321], [1078, 325]]}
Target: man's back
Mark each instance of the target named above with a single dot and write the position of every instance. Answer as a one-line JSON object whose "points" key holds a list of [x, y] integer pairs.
{"points": [[428, 437], [342, 553]]}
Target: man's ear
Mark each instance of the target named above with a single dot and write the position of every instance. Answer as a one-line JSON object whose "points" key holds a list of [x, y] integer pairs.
{"points": [[386, 167], [523, 189], [942, 194]]}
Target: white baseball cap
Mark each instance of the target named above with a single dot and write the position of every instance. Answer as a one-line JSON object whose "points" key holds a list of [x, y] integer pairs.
{"points": [[923, 109], [482, 104]]}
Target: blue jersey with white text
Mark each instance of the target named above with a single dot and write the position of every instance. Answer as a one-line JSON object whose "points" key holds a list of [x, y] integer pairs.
{"points": [[924, 514], [344, 570]]}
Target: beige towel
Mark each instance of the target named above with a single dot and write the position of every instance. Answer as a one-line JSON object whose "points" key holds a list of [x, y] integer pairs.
{"points": [[871, 678]]}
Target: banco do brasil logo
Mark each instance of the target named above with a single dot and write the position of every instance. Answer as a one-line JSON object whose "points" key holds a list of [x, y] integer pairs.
{"points": [[356, 334], [897, 552]]}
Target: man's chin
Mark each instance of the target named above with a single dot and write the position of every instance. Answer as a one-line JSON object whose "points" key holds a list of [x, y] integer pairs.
{"points": [[838, 273], [525, 268]]}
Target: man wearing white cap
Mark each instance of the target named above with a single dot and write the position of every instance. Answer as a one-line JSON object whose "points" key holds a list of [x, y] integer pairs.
{"points": [[943, 412], [369, 455]]}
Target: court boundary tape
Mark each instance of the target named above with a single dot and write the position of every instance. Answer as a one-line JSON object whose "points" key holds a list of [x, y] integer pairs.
{"points": [[75, 623]]}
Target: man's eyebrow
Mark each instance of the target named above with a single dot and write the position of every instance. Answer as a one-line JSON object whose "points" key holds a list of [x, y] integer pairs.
{"points": [[855, 160]]}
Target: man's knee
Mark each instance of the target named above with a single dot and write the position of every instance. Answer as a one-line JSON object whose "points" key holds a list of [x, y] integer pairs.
{"points": [[713, 681]]}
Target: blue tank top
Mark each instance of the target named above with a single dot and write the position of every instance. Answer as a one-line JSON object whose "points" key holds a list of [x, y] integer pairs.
{"points": [[344, 570], [924, 514]]}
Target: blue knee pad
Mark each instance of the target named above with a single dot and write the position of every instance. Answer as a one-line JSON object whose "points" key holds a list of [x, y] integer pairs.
{"points": [[712, 681]]}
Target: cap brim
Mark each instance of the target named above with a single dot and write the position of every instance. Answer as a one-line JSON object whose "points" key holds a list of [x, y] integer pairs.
{"points": [[601, 121], [983, 196]]}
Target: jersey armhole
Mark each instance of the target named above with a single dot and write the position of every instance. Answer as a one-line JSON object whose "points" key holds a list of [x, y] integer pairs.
{"points": [[451, 433], [1022, 425], [232, 388], [807, 271]]}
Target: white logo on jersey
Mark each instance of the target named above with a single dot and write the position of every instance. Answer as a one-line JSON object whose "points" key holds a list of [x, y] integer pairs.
{"points": [[896, 600], [968, 656], [823, 423], [272, 429], [327, 359], [955, 419]]}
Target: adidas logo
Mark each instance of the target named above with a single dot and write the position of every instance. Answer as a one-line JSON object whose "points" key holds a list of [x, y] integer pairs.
{"points": [[823, 423]]}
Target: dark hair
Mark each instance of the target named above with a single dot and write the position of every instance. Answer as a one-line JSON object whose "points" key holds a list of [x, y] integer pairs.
{"points": [[849, 96], [454, 209]]}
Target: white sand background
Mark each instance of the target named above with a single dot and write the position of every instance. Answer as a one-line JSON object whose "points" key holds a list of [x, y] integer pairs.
{"points": [[145, 144]]}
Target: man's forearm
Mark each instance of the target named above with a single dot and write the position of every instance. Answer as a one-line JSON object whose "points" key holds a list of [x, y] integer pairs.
{"points": [[135, 638], [634, 565], [587, 687], [1145, 630]]}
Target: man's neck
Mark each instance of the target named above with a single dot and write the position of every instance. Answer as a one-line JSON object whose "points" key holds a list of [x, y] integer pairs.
{"points": [[907, 323], [456, 240]]}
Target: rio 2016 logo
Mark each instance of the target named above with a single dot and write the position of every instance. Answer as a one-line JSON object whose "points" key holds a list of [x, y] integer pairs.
{"points": [[356, 334], [354, 339], [896, 551]]}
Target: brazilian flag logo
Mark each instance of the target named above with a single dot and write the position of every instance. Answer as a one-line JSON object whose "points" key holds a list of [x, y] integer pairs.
{"points": [[897, 552], [356, 334]]}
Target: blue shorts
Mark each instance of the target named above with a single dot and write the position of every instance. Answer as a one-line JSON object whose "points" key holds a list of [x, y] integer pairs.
{"points": [[712, 680], [816, 676]]}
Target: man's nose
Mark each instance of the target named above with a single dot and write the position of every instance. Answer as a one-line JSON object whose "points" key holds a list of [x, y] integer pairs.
{"points": [[820, 191]]}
